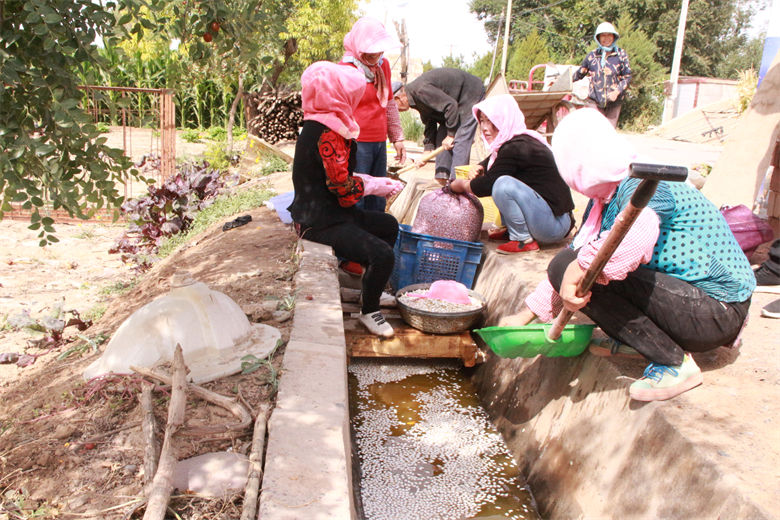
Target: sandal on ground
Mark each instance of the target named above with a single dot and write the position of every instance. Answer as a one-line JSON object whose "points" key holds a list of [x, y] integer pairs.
{"points": [[237, 222]]}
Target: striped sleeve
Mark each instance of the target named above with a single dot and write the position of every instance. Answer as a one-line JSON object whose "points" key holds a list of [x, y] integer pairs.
{"points": [[635, 249], [394, 130], [545, 302]]}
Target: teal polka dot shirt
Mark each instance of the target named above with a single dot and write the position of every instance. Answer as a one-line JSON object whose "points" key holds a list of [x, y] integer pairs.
{"points": [[695, 243]]}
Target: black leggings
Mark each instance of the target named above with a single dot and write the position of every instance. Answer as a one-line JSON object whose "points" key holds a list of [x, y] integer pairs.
{"points": [[367, 240], [657, 314]]}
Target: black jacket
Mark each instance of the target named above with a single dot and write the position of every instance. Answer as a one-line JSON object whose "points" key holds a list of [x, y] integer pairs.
{"points": [[533, 164], [444, 97]]}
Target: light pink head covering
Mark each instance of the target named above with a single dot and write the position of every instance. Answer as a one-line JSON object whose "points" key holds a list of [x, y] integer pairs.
{"points": [[330, 93], [507, 117], [592, 158], [368, 36]]}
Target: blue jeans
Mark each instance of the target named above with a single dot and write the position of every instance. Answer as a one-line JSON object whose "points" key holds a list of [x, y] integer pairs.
{"points": [[372, 160], [526, 214]]}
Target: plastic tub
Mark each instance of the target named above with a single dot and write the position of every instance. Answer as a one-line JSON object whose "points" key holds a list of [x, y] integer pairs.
{"points": [[531, 340]]}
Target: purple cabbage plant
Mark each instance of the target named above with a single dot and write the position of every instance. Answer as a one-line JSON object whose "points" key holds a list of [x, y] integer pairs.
{"points": [[166, 210]]}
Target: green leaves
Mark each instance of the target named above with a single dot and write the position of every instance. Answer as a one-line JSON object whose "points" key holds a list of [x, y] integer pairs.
{"points": [[48, 156]]}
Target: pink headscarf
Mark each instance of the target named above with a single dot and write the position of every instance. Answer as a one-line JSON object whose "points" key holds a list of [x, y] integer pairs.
{"points": [[592, 159], [330, 93], [507, 117], [368, 36]]}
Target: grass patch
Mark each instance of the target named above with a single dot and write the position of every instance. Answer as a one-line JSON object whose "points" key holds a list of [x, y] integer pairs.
{"points": [[96, 312], [119, 287], [87, 234], [224, 206], [272, 163]]}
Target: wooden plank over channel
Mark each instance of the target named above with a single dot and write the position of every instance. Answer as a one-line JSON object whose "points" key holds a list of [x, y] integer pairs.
{"points": [[407, 342]]}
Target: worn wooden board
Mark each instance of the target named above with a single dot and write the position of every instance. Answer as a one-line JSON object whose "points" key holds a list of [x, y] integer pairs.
{"points": [[407, 342]]}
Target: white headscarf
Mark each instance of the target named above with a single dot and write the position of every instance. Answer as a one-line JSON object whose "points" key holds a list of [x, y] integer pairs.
{"points": [[592, 159]]}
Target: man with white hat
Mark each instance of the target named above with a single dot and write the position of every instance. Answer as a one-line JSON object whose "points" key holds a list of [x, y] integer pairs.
{"points": [[609, 73]]}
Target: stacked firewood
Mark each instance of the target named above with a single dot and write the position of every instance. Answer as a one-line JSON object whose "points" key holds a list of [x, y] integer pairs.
{"points": [[274, 116]]}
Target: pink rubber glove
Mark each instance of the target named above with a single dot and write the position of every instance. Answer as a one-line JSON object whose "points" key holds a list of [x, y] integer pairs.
{"points": [[379, 186]]}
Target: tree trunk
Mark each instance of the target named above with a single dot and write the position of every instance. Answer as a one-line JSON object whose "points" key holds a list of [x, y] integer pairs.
{"points": [[290, 48], [232, 115]]}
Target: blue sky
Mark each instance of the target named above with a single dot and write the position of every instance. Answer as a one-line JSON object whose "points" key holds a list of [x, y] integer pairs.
{"points": [[435, 28]]}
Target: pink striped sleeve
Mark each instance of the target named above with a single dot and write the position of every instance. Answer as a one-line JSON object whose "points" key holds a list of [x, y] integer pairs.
{"points": [[635, 249], [545, 302], [394, 130]]}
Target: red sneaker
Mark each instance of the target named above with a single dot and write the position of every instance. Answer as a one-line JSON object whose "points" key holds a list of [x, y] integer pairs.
{"points": [[353, 268], [513, 246], [498, 234]]}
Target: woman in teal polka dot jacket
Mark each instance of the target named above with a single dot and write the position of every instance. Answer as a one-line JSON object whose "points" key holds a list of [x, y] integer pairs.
{"points": [[678, 283]]}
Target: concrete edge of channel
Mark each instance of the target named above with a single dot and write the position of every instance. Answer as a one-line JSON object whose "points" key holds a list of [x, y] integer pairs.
{"points": [[308, 460]]}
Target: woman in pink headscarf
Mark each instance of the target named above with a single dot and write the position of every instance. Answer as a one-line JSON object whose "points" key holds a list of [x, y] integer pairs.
{"points": [[677, 283], [327, 189], [521, 176], [377, 113]]}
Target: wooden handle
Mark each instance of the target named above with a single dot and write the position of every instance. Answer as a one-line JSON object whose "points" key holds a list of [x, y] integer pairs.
{"points": [[425, 158], [623, 223]]}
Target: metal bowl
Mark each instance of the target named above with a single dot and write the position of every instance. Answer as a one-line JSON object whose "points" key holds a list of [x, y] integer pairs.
{"points": [[439, 322]]}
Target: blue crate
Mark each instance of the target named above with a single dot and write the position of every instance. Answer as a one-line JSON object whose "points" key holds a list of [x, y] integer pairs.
{"points": [[425, 259]]}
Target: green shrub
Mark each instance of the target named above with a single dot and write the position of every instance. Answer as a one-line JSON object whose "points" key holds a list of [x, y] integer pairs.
{"points": [[103, 128], [191, 135], [216, 133], [216, 156], [412, 127]]}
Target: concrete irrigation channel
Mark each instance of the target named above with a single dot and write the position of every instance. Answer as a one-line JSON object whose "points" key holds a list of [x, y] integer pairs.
{"points": [[584, 448]]}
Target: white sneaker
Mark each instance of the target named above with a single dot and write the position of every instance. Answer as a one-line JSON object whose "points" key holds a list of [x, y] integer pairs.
{"points": [[376, 324]]}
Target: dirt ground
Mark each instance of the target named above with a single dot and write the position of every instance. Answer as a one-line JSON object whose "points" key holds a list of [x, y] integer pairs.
{"points": [[53, 460]]}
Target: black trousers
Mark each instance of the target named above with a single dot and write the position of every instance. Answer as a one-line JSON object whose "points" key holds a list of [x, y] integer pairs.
{"points": [[367, 240], [658, 315]]}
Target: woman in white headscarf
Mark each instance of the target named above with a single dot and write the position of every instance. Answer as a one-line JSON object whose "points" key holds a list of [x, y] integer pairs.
{"points": [[521, 176], [678, 282], [609, 72]]}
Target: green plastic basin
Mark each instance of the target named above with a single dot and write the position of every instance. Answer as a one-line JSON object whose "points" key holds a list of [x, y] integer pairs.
{"points": [[531, 340]]}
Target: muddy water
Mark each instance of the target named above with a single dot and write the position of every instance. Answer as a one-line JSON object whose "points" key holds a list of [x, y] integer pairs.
{"points": [[426, 448]]}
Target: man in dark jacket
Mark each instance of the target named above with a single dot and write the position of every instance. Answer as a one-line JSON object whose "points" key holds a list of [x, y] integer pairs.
{"points": [[609, 73], [444, 98]]}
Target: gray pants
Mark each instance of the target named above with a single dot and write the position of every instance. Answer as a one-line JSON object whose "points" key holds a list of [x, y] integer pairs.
{"points": [[460, 155]]}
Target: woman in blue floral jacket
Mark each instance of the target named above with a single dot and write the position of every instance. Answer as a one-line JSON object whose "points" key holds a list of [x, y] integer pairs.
{"points": [[609, 73]]}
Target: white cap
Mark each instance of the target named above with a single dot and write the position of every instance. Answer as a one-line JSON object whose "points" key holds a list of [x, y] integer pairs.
{"points": [[606, 27]]}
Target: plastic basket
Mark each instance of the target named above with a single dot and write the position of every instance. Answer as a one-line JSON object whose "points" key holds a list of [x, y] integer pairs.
{"points": [[492, 215], [425, 259]]}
